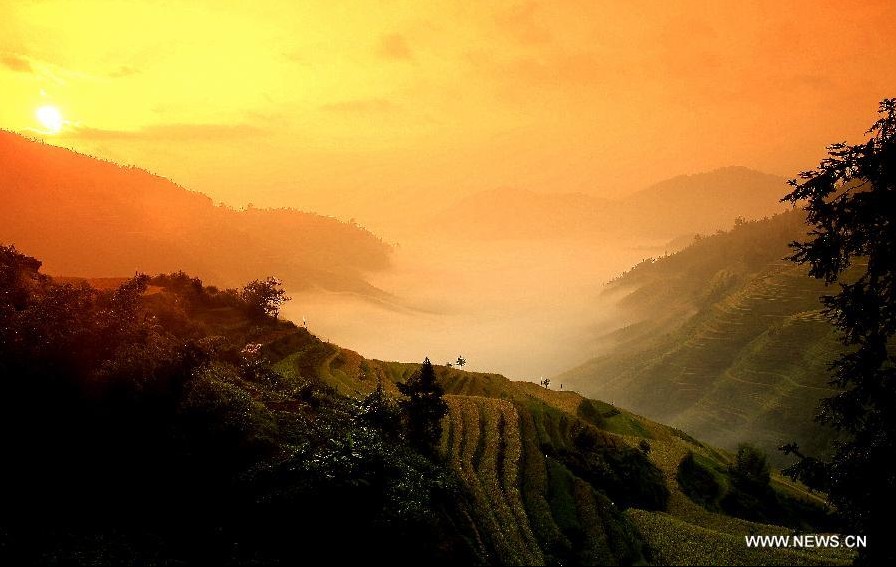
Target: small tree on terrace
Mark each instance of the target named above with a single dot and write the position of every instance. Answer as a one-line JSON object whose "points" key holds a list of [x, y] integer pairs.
{"points": [[423, 409]]}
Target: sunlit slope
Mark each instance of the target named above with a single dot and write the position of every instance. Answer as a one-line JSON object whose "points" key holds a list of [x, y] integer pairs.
{"points": [[727, 341], [553, 476], [87, 217]]}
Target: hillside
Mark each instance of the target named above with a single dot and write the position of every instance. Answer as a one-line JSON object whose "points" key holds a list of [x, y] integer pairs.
{"points": [[548, 472], [724, 340], [167, 425], [705, 202], [91, 218], [683, 205]]}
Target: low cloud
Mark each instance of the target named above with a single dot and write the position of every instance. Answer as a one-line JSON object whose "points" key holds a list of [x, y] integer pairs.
{"points": [[815, 82], [395, 47], [525, 24], [364, 105], [16, 63], [124, 71], [169, 132]]}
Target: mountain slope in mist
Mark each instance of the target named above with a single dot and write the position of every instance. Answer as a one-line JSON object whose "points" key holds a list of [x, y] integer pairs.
{"points": [[687, 204], [705, 202], [724, 339], [87, 217]]}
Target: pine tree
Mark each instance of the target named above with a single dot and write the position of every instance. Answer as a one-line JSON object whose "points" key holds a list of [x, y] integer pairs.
{"points": [[423, 408], [851, 204]]}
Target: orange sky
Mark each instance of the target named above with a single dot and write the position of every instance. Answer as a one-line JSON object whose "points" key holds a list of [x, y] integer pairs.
{"points": [[339, 106]]}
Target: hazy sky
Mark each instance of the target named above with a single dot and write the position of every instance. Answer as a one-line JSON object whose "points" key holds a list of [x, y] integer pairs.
{"points": [[336, 105]]}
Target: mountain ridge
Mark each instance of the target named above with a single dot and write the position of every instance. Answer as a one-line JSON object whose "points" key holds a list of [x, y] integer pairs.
{"points": [[685, 204], [126, 218]]}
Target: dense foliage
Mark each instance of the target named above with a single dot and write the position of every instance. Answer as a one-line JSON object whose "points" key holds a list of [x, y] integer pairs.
{"points": [[137, 428], [264, 297], [743, 490], [851, 203]]}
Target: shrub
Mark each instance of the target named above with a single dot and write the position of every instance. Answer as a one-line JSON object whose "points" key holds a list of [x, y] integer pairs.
{"points": [[751, 466], [699, 481]]}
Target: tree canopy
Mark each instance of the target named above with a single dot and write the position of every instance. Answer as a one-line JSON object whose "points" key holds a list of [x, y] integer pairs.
{"points": [[850, 199], [264, 297]]}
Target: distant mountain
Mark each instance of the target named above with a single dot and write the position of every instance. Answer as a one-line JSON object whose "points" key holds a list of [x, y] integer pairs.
{"points": [[706, 202], [724, 339], [87, 217], [687, 204]]}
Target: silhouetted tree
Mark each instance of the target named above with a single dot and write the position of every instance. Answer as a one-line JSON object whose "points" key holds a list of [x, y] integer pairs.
{"points": [[851, 204], [813, 472], [545, 382], [424, 408], [461, 361], [264, 297]]}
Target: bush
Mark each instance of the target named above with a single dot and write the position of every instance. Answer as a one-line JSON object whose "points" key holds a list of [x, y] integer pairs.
{"points": [[751, 466], [700, 482], [589, 413], [626, 475]]}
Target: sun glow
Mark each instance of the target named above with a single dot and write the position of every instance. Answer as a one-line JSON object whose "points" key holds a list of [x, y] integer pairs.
{"points": [[50, 118]]}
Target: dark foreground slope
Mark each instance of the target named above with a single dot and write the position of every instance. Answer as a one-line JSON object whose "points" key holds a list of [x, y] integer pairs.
{"points": [[161, 422], [725, 340], [86, 217]]}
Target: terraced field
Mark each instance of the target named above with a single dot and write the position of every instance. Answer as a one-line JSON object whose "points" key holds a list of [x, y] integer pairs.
{"points": [[731, 345], [483, 442], [687, 534], [558, 503], [517, 450]]}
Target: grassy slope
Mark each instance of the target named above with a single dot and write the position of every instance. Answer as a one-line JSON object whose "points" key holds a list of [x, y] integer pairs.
{"points": [[504, 439], [729, 343]]}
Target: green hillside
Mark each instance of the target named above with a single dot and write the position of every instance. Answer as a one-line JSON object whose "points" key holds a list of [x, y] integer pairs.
{"points": [[726, 341], [556, 477]]}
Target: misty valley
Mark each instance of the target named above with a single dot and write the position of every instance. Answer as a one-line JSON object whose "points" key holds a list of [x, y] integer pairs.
{"points": [[221, 405], [506, 283]]}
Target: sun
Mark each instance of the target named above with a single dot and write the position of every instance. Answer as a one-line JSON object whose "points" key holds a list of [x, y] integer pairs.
{"points": [[50, 118]]}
